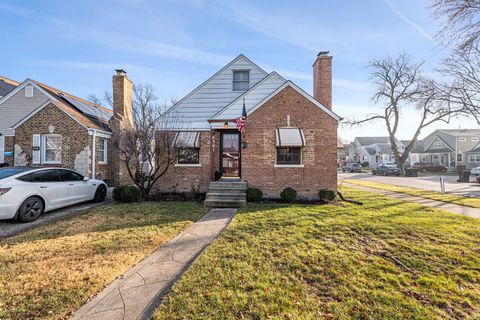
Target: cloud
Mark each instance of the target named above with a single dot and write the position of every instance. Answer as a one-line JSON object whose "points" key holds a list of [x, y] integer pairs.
{"points": [[122, 42], [410, 22]]}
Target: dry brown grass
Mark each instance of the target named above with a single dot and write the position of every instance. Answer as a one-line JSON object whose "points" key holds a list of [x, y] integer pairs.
{"points": [[51, 271]]}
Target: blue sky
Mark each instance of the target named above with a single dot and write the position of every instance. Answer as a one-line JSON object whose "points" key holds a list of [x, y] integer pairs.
{"points": [[175, 45]]}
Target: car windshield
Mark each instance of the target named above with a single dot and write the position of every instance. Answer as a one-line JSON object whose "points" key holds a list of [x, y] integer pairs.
{"points": [[5, 173]]}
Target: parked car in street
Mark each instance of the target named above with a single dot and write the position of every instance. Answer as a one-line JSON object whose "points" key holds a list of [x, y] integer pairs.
{"points": [[475, 171], [352, 167], [429, 167], [383, 170], [27, 192]]}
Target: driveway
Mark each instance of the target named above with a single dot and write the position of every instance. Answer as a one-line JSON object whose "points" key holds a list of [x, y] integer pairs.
{"points": [[10, 228], [427, 182]]}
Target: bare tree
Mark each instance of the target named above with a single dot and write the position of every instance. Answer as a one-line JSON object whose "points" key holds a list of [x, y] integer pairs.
{"points": [[401, 85], [464, 71], [147, 148], [461, 22]]}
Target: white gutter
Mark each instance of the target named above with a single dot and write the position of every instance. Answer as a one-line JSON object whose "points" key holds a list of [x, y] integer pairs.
{"points": [[94, 137]]}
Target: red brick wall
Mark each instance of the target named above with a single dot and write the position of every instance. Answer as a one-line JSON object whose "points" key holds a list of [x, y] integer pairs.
{"points": [[183, 178], [258, 159], [319, 154]]}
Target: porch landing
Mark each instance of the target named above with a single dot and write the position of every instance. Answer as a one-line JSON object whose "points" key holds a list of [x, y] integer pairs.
{"points": [[226, 193]]}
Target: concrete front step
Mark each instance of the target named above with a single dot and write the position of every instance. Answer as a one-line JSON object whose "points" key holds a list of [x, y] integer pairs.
{"points": [[225, 203], [225, 190], [239, 185], [226, 194]]}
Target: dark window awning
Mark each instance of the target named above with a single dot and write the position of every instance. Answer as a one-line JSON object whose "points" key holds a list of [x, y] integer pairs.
{"points": [[187, 139], [290, 137]]}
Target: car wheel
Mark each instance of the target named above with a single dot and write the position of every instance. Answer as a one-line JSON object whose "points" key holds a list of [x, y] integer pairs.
{"points": [[100, 194], [30, 209], [374, 172]]}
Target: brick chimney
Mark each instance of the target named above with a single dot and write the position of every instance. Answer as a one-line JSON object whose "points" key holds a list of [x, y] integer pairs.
{"points": [[122, 97], [322, 79], [122, 118]]}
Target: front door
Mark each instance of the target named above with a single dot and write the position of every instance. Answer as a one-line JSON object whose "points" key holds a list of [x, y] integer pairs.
{"points": [[230, 153]]}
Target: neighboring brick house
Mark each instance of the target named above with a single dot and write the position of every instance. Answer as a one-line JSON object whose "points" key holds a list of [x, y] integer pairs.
{"points": [[290, 138], [44, 126]]}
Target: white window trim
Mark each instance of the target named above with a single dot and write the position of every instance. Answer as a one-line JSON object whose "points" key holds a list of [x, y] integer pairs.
{"points": [[194, 165], [474, 156], [437, 145], [43, 148], [105, 149], [301, 165], [474, 139], [462, 139], [28, 91], [233, 80], [461, 157]]}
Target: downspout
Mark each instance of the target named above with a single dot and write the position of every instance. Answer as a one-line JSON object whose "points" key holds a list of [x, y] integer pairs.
{"points": [[94, 147]]}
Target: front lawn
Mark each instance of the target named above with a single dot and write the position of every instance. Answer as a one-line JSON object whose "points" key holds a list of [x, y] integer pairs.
{"points": [[445, 197], [387, 259], [51, 271]]}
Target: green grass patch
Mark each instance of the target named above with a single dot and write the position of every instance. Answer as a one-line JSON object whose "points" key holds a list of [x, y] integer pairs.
{"points": [[51, 271], [387, 259], [445, 197]]}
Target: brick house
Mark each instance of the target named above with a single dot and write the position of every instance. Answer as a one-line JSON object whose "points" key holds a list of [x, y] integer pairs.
{"points": [[290, 138], [44, 126]]}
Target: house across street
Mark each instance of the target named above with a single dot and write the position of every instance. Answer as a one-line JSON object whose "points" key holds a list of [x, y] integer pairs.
{"points": [[428, 182]]}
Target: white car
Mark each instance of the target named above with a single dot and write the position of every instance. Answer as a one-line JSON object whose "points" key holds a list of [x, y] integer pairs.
{"points": [[475, 171], [27, 192]]}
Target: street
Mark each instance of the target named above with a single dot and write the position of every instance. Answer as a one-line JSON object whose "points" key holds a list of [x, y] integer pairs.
{"points": [[427, 182]]}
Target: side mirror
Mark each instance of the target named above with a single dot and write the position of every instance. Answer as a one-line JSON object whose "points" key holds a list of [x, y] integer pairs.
{"points": [[86, 178]]}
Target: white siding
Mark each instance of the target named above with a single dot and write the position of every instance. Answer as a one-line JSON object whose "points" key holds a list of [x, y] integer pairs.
{"points": [[261, 91], [214, 94], [17, 107]]}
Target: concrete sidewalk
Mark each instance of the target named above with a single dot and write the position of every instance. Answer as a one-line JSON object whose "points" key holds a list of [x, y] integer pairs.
{"points": [[137, 293], [446, 206]]}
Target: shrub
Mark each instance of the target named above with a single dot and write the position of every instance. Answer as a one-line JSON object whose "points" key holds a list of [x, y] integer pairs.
{"points": [[126, 194], [116, 194], [288, 194], [327, 195], [254, 195]]}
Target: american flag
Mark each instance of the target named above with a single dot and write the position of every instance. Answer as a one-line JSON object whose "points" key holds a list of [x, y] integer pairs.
{"points": [[242, 121]]}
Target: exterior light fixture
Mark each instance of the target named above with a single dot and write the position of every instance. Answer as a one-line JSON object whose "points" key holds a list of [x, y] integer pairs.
{"points": [[225, 125]]}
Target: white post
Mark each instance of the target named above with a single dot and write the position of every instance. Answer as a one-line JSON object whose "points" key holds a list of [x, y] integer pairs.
{"points": [[442, 184], [94, 141]]}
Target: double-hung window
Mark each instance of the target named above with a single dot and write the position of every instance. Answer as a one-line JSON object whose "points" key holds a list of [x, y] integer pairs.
{"points": [[474, 158], [188, 156], [289, 144], [52, 149], [102, 151], [289, 155], [241, 80], [188, 148]]}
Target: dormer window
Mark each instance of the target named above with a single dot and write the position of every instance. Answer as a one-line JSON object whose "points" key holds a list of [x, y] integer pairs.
{"points": [[241, 80]]}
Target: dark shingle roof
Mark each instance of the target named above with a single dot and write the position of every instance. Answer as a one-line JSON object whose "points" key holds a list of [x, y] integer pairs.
{"points": [[5, 87], [371, 150], [366, 141]]}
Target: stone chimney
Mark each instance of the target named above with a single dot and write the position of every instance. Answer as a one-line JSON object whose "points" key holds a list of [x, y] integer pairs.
{"points": [[322, 79], [122, 97]]}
